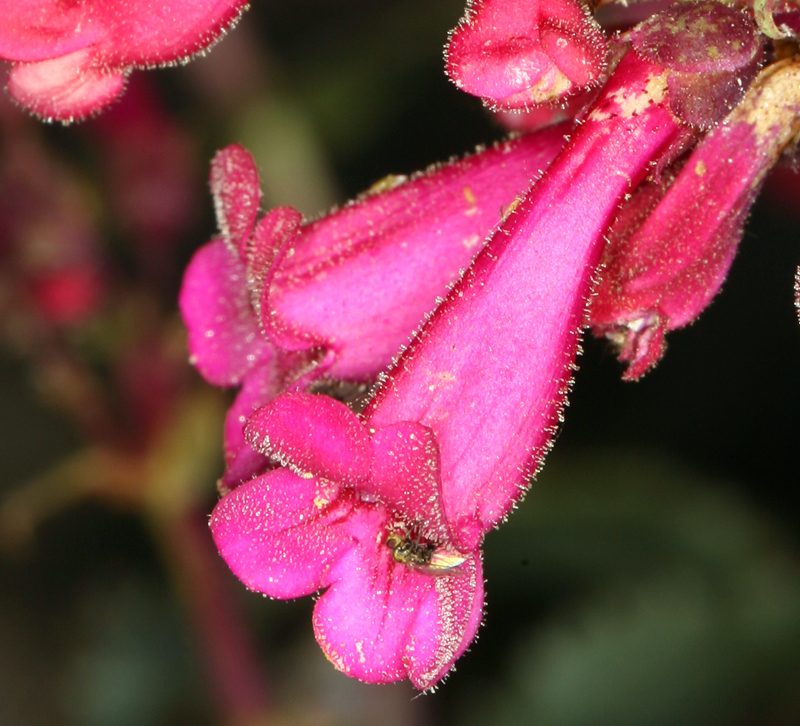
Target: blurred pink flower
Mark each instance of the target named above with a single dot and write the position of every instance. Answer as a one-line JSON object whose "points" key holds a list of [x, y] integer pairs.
{"points": [[388, 512], [52, 262], [150, 174], [69, 296], [71, 59]]}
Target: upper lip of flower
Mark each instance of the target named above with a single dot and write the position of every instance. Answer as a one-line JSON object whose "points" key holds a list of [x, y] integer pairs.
{"points": [[355, 283]]}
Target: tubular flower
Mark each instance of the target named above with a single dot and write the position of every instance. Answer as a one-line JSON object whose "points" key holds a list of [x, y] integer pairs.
{"points": [[663, 271], [276, 304], [388, 511], [515, 53], [71, 59]]}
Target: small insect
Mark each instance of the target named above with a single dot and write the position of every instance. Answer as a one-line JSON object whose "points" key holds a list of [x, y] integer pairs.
{"points": [[428, 557], [389, 182]]}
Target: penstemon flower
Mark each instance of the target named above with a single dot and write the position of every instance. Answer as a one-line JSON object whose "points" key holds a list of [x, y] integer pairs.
{"points": [[276, 304], [388, 511], [71, 59]]}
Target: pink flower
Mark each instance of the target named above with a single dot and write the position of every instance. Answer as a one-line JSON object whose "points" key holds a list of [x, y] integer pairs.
{"points": [[516, 53], [71, 59], [277, 304], [69, 296], [388, 511], [662, 272]]}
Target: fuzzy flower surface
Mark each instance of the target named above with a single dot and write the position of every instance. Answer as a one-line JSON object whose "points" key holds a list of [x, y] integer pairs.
{"points": [[516, 53], [69, 60], [662, 272], [276, 304], [386, 512]]}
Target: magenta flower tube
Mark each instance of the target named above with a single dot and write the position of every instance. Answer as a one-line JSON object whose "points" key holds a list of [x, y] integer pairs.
{"points": [[276, 304], [387, 512]]}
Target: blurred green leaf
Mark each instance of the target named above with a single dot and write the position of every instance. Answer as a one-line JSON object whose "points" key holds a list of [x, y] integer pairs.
{"points": [[684, 607], [136, 665]]}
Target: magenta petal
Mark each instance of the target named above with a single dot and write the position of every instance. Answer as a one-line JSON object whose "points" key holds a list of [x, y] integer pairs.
{"points": [[362, 621], [75, 55], [264, 252], [312, 434], [360, 280], [286, 372], [447, 622], [65, 88], [154, 32], [225, 342], [243, 465], [236, 192], [279, 533], [514, 53], [578, 55], [260, 386], [34, 30], [405, 475], [490, 371], [124, 32], [381, 621]]}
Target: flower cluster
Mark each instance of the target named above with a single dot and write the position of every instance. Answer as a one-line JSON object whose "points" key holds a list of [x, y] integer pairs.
{"points": [[628, 227]]}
